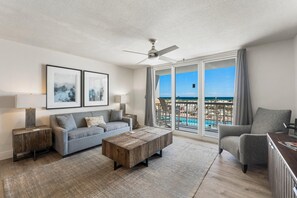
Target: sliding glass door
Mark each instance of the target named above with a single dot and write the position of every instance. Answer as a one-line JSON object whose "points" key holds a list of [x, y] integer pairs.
{"points": [[186, 100], [219, 77], [195, 98]]}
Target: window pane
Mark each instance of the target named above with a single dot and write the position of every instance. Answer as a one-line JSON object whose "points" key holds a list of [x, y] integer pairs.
{"points": [[186, 78], [219, 93], [163, 98]]}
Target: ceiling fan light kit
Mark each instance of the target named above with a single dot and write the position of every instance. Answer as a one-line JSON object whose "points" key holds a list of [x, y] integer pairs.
{"points": [[154, 54]]}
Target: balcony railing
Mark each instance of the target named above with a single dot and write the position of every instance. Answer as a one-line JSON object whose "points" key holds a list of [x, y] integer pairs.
{"points": [[216, 112]]}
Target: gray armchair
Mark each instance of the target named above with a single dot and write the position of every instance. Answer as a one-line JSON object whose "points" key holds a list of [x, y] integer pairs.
{"points": [[248, 143]]}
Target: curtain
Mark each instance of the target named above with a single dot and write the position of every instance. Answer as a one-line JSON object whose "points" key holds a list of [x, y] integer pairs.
{"points": [[149, 118], [243, 114]]}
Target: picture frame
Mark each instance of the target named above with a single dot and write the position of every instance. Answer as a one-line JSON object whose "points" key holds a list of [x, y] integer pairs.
{"points": [[63, 87], [96, 89]]}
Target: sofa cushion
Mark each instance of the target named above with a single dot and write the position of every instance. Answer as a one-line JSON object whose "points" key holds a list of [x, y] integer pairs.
{"points": [[80, 118], [66, 121], [267, 120], [95, 121], [84, 132], [104, 113], [110, 126], [231, 144], [116, 115]]}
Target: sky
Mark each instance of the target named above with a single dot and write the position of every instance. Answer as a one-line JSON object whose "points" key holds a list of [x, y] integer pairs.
{"points": [[219, 82]]}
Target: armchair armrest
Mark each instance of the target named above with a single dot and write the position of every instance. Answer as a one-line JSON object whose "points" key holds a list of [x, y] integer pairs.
{"points": [[129, 121], [253, 148], [233, 130]]}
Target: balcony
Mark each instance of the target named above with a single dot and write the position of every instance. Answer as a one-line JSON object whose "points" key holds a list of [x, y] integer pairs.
{"points": [[216, 112]]}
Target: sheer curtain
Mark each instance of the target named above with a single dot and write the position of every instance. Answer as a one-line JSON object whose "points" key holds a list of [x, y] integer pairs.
{"points": [[149, 118], [243, 114]]}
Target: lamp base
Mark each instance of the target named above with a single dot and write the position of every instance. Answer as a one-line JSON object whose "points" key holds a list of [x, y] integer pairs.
{"points": [[123, 107], [30, 118]]}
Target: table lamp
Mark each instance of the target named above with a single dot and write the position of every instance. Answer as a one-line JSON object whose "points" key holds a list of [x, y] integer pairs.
{"points": [[30, 102], [123, 100]]}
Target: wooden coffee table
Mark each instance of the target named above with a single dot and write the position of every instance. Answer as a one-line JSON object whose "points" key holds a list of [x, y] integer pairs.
{"points": [[131, 148]]}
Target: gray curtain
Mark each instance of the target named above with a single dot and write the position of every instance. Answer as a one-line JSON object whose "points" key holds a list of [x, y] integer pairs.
{"points": [[149, 118], [243, 114]]}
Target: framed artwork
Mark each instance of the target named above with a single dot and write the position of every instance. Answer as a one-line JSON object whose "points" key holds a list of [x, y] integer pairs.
{"points": [[96, 89], [63, 87]]}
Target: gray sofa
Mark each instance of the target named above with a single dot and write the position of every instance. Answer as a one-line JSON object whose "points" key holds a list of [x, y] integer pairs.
{"points": [[67, 142], [248, 143]]}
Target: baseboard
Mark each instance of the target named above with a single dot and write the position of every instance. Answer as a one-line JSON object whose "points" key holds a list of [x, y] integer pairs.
{"points": [[5, 155]]}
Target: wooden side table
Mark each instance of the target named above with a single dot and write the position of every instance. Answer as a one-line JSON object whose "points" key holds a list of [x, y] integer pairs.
{"points": [[31, 140], [134, 120]]}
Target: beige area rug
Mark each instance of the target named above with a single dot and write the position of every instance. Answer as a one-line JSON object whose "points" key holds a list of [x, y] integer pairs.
{"points": [[90, 174]]}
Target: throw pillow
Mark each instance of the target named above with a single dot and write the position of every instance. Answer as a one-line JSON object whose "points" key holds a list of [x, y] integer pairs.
{"points": [[66, 121], [95, 121], [116, 115]]}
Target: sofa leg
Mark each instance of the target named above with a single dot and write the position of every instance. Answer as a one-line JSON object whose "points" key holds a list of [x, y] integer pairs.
{"points": [[220, 151], [244, 168]]}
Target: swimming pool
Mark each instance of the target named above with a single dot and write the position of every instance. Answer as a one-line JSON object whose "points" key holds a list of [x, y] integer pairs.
{"points": [[194, 122]]}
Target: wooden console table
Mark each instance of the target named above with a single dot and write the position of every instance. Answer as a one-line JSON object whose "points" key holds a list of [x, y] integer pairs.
{"points": [[282, 166], [31, 140]]}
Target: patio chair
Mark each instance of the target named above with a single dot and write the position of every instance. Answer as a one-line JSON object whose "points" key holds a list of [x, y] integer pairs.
{"points": [[166, 110], [248, 143]]}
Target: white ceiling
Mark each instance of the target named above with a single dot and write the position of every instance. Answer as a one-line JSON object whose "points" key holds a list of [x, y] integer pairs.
{"points": [[101, 29]]}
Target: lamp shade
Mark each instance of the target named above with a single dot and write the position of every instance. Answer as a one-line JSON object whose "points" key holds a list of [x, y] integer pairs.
{"points": [[121, 99], [29, 101]]}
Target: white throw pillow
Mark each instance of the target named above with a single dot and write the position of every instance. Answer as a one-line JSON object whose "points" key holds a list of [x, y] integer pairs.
{"points": [[95, 121]]}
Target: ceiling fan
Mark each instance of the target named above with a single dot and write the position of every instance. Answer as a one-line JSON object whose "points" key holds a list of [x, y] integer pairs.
{"points": [[153, 53]]}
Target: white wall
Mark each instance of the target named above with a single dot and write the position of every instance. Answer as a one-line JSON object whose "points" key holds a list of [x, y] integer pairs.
{"points": [[271, 74], [22, 70]]}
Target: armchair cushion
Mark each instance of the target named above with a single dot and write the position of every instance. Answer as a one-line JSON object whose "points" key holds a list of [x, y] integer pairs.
{"points": [[270, 121]]}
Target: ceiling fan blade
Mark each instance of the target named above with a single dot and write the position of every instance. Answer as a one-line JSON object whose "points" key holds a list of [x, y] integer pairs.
{"points": [[170, 60], [141, 61], [135, 52], [166, 50]]}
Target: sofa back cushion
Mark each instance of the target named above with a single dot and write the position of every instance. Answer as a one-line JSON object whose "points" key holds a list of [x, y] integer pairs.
{"points": [[66, 121], [80, 118], [267, 120], [104, 113]]}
